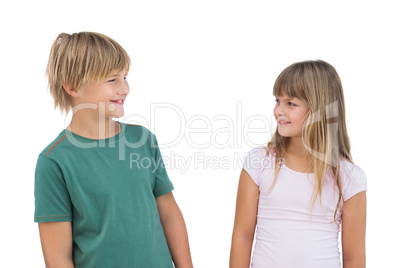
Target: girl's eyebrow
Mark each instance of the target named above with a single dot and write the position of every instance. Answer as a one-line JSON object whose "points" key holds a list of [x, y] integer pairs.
{"points": [[287, 99]]}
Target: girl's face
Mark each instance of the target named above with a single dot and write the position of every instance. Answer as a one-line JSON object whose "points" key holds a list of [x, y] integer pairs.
{"points": [[289, 114]]}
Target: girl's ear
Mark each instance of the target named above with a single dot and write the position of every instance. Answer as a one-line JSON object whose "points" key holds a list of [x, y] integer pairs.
{"points": [[70, 90]]}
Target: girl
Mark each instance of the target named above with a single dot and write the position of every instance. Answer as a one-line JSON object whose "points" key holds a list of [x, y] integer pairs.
{"points": [[303, 186]]}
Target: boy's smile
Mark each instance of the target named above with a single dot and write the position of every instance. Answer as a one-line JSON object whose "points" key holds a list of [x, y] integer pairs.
{"points": [[120, 101]]}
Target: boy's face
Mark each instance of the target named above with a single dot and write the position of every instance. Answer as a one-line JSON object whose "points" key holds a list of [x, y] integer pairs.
{"points": [[104, 99]]}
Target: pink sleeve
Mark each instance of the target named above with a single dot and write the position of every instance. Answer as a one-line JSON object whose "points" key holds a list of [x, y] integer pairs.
{"points": [[354, 181], [253, 163]]}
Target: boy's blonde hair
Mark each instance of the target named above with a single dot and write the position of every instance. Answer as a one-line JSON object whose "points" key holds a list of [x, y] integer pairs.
{"points": [[324, 131], [79, 59]]}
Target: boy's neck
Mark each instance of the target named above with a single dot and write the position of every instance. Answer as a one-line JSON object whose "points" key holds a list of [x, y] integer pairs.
{"points": [[93, 128]]}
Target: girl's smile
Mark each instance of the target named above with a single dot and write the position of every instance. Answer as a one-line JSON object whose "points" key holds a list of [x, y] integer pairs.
{"points": [[283, 123]]}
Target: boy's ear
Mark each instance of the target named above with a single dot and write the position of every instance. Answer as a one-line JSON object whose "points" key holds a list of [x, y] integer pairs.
{"points": [[70, 90]]}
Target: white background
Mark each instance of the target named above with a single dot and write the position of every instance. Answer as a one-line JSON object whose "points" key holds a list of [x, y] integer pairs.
{"points": [[203, 57]]}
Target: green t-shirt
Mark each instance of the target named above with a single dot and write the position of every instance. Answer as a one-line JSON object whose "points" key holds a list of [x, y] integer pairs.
{"points": [[108, 189]]}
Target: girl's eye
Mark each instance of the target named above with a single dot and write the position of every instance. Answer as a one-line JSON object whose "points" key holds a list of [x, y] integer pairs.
{"points": [[291, 104], [276, 100], [112, 80]]}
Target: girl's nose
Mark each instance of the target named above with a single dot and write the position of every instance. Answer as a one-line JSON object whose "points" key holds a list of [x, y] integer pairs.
{"points": [[279, 111]]}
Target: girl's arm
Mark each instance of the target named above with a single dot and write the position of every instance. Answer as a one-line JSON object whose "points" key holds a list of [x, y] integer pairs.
{"points": [[57, 244], [175, 230], [245, 222], [354, 231]]}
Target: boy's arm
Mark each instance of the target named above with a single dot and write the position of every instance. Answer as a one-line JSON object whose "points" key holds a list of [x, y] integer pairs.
{"points": [[245, 222], [175, 230], [57, 244], [354, 231]]}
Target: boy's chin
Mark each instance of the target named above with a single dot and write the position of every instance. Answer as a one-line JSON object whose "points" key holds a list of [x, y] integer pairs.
{"points": [[115, 115], [118, 116]]}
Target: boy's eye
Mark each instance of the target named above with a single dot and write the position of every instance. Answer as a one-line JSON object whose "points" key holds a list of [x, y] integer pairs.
{"points": [[111, 80]]}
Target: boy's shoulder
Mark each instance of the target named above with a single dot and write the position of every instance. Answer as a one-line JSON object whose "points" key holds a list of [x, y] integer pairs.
{"points": [[133, 128], [69, 143], [137, 133], [59, 139]]}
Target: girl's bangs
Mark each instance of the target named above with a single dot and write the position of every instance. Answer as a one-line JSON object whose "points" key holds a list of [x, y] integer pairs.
{"points": [[290, 84]]}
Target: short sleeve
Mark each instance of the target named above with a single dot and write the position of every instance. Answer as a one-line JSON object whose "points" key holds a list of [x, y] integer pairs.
{"points": [[52, 200], [163, 185], [354, 181], [253, 163]]}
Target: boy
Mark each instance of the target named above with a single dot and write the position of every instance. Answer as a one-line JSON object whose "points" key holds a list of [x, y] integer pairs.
{"points": [[102, 194]]}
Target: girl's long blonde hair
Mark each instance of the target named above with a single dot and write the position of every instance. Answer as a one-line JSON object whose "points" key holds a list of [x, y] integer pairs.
{"points": [[324, 131]]}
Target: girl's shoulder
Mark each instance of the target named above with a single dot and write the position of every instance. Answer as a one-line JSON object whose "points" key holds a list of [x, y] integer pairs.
{"points": [[261, 152], [264, 150], [350, 169], [353, 178], [257, 161]]}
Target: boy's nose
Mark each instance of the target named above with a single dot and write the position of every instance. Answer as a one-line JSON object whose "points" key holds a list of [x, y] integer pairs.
{"points": [[124, 89]]}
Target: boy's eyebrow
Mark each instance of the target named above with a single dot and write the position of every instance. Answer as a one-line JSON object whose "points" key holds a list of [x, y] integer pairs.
{"points": [[115, 75]]}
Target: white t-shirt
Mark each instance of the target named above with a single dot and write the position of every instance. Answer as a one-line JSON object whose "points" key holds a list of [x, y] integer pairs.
{"points": [[288, 233]]}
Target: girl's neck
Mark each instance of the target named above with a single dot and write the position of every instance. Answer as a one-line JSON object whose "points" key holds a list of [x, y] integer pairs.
{"points": [[296, 147], [296, 156], [93, 127]]}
